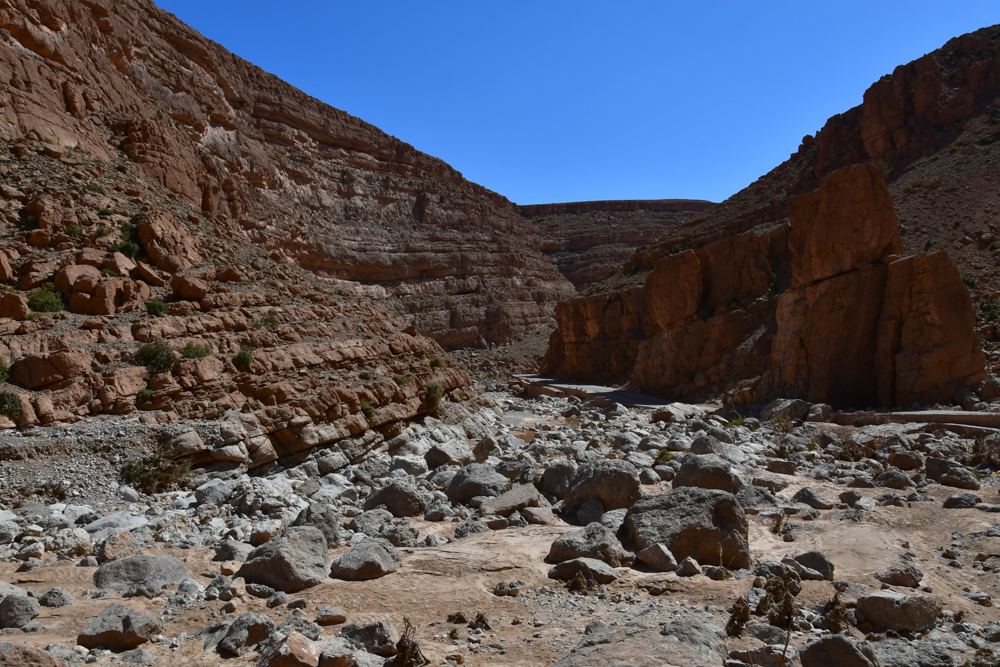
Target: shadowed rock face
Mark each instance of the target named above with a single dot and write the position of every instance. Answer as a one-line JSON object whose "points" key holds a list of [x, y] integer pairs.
{"points": [[589, 241], [823, 309], [274, 167]]}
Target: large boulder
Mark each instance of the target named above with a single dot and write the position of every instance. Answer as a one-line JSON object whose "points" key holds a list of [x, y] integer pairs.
{"points": [[676, 643], [151, 572], [453, 452], [700, 523], [890, 610], [588, 568], [119, 628], [951, 473], [833, 651], [595, 541], [290, 563], [615, 483], [902, 653], [708, 471], [18, 655], [370, 558], [16, 611], [246, 631], [399, 497], [477, 479], [324, 517], [379, 638]]}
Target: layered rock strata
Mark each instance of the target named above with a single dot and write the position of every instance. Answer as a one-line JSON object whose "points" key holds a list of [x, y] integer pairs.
{"points": [[589, 241], [270, 166], [824, 308]]}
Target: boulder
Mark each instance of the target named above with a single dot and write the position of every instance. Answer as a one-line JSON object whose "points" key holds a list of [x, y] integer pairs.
{"points": [[687, 643], [453, 452], [595, 541], [950, 473], [324, 517], [700, 523], [477, 479], [290, 563], [591, 569], [296, 650], [379, 638], [834, 651], [246, 632], [555, 479], [400, 498], [900, 574], [57, 597], [18, 655], [961, 501], [152, 572], [708, 471], [169, 245], [119, 628], [902, 653], [370, 558], [16, 611], [658, 558], [808, 496], [517, 499], [818, 562], [615, 483], [895, 611]]}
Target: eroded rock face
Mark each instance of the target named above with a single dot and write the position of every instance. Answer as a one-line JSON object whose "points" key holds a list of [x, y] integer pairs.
{"points": [[272, 166], [822, 309]]}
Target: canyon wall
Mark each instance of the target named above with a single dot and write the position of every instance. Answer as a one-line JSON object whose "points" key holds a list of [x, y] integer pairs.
{"points": [[268, 165], [589, 241], [823, 308]]}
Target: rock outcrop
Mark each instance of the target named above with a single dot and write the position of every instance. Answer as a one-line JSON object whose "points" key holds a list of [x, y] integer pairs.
{"points": [[824, 308], [589, 241], [261, 165]]}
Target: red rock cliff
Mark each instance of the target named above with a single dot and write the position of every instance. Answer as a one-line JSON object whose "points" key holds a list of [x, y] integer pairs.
{"points": [[824, 308]]}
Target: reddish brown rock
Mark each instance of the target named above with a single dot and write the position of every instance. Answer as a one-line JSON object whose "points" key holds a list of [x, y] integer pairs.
{"points": [[67, 277], [189, 288], [295, 651], [36, 371], [797, 311], [171, 247], [19, 655], [847, 223], [14, 306]]}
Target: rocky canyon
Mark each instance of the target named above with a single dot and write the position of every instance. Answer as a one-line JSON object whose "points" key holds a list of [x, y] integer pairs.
{"points": [[267, 392]]}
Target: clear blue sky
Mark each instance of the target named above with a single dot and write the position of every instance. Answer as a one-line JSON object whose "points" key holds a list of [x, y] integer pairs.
{"points": [[547, 100]]}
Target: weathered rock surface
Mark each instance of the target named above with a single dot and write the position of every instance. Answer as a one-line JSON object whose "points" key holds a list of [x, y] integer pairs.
{"points": [[589, 241], [153, 572], [290, 563], [594, 541], [119, 628], [681, 644], [704, 524], [897, 611], [822, 309], [370, 558]]}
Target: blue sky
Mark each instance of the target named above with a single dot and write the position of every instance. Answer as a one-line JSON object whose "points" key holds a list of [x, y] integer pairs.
{"points": [[550, 101]]}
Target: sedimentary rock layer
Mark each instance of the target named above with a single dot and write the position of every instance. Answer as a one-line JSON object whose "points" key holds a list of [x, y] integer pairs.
{"points": [[824, 308], [273, 167], [589, 241]]}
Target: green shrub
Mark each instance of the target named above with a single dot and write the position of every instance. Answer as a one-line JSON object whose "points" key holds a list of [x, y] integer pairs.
{"points": [[102, 231], [74, 232], [244, 358], [438, 362], [368, 410], [664, 456], [155, 355], [987, 139], [192, 351], [109, 273], [155, 473], [781, 424], [145, 395], [270, 320], [155, 307], [127, 248], [365, 375], [139, 217], [994, 246], [434, 394], [10, 405], [45, 299], [401, 380], [991, 310], [4, 372], [90, 187], [105, 212], [970, 282]]}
